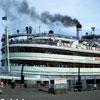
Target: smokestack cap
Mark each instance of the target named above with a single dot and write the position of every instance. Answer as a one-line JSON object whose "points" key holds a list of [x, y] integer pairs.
{"points": [[79, 26]]}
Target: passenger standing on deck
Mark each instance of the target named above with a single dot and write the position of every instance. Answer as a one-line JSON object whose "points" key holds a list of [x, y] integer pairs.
{"points": [[2, 84], [95, 86], [13, 83]]}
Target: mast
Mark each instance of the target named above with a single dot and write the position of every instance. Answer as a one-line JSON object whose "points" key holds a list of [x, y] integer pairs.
{"points": [[39, 29], [7, 50], [22, 75], [79, 83], [79, 77]]}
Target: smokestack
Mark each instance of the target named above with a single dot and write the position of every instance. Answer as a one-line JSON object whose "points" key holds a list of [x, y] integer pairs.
{"points": [[78, 29], [93, 30], [30, 29], [27, 31], [51, 32]]}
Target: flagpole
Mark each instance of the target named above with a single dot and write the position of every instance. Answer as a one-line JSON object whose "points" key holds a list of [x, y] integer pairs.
{"points": [[6, 24], [7, 40], [7, 45], [8, 62]]}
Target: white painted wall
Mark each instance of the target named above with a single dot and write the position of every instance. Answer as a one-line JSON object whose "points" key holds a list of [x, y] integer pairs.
{"points": [[52, 57]]}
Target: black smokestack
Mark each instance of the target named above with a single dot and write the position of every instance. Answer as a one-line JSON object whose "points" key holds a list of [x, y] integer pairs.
{"points": [[27, 29], [30, 29]]}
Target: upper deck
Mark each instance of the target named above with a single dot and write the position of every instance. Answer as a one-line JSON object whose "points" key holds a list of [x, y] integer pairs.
{"points": [[56, 41]]}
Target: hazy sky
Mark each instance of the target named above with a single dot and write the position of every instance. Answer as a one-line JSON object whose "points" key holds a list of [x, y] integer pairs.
{"points": [[86, 11]]}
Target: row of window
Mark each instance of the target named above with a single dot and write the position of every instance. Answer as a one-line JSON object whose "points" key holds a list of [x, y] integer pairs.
{"points": [[51, 51], [50, 64]]}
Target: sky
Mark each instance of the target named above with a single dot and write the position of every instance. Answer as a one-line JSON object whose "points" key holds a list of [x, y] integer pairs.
{"points": [[85, 11]]}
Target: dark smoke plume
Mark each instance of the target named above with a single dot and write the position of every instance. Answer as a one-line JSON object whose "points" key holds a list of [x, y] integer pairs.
{"points": [[45, 17], [24, 9]]}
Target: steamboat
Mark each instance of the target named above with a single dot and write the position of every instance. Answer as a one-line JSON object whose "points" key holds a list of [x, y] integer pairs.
{"points": [[47, 56]]}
